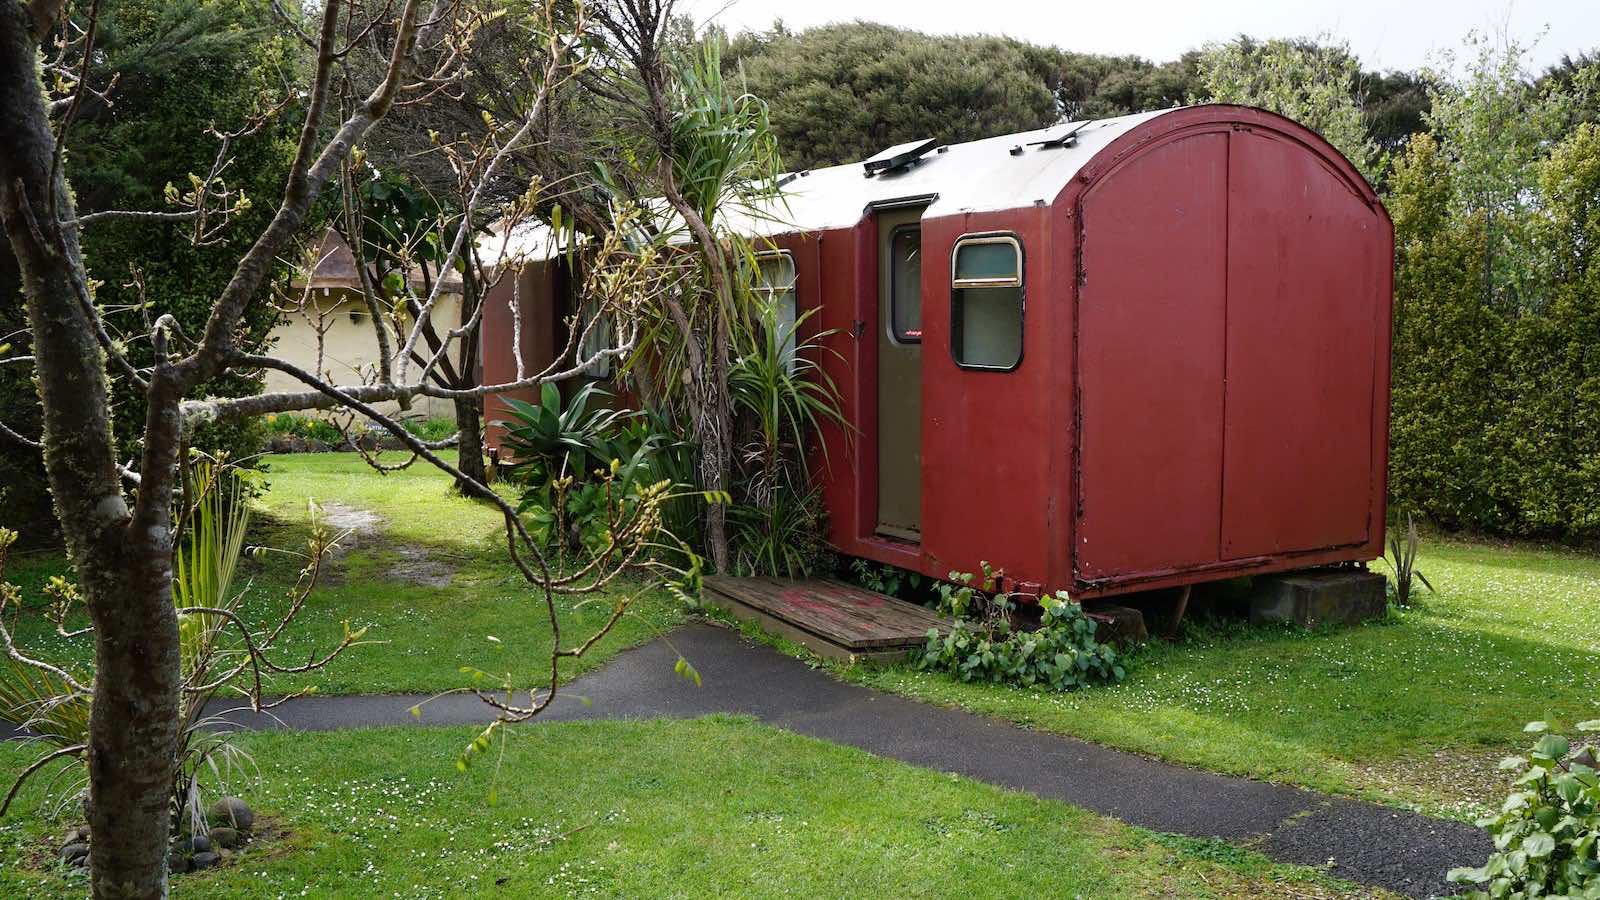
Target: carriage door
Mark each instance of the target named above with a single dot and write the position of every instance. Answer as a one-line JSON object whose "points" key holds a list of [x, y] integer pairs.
{"points": [[900, 373]]}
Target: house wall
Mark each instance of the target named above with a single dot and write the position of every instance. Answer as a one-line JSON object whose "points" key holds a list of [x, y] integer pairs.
{"points": [[350, 350]]}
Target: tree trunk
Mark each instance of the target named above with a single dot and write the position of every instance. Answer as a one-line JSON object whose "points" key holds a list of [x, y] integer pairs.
{"points": [[123, 559], [469, 425], [718, 445]]}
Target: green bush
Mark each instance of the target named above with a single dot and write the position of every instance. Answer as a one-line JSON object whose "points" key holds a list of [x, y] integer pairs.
{"points": [[1495, 424], [433, 429], [308, 427], [1061, 654], [582, 469], [1547, 835]]}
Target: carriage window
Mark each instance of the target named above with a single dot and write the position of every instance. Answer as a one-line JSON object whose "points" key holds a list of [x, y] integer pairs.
{"points": [[905, 285], [986, 303], [775, 283]]}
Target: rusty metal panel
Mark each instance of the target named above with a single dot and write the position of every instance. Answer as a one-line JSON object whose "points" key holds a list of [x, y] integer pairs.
{"points": [[1151, 308], [987, 449], [534, 285], [1303, 277]]}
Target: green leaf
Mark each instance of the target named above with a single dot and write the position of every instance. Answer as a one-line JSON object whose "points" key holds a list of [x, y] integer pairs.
{"points": [[1591, 725], [1538, 845], [1536, 727], [687, 670], [1551, 746]]}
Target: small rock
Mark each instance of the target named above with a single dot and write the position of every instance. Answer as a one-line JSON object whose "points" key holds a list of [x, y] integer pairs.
{"points": [[205, 860], [178, 862], [1587, 758], [79, 862], [225, 854], [197, 844], [231, 812], [71, 853], [224, 837]]}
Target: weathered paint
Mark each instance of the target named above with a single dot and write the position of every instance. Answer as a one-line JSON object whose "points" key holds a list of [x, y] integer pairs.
{"points": [[1204, 384]]}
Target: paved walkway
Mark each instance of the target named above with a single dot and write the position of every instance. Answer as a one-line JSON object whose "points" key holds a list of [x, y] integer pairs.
{"points": [[1366, 843]]}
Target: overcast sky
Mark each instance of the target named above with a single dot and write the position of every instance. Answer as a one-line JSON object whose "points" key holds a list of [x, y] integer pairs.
{"points": [[1386, 34]]}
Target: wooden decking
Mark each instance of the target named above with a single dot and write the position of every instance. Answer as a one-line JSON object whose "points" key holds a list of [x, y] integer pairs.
{"points": [[832, 618]]}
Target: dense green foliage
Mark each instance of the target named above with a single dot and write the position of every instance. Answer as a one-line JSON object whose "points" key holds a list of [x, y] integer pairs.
{"points": [[183, 68], [1547, 834], [576, 465], [1312, 83], [1061, 654], [1496, 383], [843, 92]]}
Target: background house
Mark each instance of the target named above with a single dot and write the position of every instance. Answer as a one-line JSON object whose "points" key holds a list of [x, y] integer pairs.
{"points": [[324, 325]]}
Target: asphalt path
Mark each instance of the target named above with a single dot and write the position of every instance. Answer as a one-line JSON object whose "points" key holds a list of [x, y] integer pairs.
{"points": [[1363, 842]]}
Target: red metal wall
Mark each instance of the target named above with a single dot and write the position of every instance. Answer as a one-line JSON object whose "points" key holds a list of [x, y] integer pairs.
{"points": [[534, 287], [1204, 385]]}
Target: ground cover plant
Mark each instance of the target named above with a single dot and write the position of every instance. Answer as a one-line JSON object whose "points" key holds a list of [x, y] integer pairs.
{"points": [[983, 645], [1547, 835], [1415, 710], [682, 808]]}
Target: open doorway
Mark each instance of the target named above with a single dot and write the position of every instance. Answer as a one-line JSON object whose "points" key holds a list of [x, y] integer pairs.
{"points": [[900, 373]]}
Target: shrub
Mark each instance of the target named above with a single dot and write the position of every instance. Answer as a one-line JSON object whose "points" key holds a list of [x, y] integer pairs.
{"points": [[788, 538], [431, 429], [221, 651], [886, 579], [1061, 654], [584, 471], [549, 441], [310, 427], [1547, 835], [1402, 558]]}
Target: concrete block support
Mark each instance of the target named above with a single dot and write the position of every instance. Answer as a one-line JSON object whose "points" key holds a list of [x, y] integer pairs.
{"points": [[1317, 597]]}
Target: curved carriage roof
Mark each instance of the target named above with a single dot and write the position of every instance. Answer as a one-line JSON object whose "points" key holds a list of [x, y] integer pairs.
{"points": [[1003, 172], [1006, 172]]}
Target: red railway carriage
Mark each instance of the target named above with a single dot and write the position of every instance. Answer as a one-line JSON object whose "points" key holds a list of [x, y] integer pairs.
{"points": [[1105, 356]]}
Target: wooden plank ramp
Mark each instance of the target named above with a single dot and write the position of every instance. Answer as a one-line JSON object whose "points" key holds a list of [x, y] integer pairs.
{"points": [[829, 617]]}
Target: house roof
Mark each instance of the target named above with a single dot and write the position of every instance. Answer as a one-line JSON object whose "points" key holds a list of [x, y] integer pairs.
{"points": [[333, 268]]}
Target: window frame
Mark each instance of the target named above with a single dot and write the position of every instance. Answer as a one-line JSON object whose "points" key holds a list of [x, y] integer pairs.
{"points": [[894, 331], [761, 256], [957, 285]]}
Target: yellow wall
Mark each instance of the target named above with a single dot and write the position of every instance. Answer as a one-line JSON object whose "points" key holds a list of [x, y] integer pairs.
{"points": [[350, 350]]}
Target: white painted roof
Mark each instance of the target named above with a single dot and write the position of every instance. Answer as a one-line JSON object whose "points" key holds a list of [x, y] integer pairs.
{"points": [[530, 240], [978, 176]]}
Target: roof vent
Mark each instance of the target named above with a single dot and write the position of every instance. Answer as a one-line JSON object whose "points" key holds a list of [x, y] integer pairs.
{"points": [[1064, 138], [898, 157]]}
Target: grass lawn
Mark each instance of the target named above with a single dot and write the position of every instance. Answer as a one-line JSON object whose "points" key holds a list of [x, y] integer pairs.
{"points": [[1415, 711], [717, 806], [428, 577]]}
